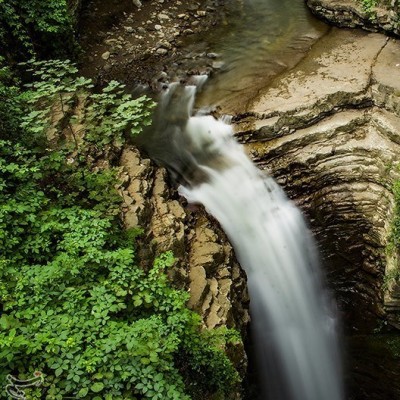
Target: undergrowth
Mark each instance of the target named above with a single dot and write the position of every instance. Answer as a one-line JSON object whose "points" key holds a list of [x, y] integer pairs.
{"points": [[75, 304]]}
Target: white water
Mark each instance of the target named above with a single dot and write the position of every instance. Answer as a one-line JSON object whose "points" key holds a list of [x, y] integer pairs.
{"points": [[292, 321]]}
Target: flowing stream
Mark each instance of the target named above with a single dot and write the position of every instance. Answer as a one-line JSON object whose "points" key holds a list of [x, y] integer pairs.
{"points": [[293, 319]]}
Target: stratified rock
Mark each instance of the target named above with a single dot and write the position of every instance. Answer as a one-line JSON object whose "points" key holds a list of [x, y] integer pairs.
{"points": [[206, 264], [329, 131], [382, 17], [138, 178]]}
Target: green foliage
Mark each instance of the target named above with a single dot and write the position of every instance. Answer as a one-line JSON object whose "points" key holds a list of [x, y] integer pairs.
{"points": [[395, 235], [10, 110], [75, 304], [121, 113], [368, 5], [394, 240], [108, 115], [36, 26]]}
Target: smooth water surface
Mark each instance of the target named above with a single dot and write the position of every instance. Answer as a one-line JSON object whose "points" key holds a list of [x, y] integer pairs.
{"points": [[258, 40]]}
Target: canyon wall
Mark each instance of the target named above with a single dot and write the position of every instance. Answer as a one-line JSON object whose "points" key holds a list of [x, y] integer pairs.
{"points": [[329, 131]]}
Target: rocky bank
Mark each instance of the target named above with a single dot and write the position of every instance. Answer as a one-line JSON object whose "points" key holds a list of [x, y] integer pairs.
{"points": [[382, 17]]}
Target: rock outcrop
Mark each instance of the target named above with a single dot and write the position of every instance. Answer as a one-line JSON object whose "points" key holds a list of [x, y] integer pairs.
{"points": [[353, 14], [206, 266], [329, 131]]}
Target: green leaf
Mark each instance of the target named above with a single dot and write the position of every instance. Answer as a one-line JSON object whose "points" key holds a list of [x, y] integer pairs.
{"points": [[83, 392], [97, 387]]}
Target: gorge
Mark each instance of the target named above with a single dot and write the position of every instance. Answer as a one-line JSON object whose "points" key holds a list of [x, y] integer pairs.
{"points": [[320, 113], [204, 204]]}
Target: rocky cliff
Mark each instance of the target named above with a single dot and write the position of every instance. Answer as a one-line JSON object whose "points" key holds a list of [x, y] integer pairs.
{"points": [[329, 132], [207, 266]]}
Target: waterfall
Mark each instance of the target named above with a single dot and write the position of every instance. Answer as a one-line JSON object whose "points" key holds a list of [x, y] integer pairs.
{"points": [[293, 321]]}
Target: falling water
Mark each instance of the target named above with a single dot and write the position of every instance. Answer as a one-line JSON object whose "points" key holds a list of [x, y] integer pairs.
{"points": [[292, 319]]}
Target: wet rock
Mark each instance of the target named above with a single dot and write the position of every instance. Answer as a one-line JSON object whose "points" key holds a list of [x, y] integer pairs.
{"points": [[217, 64], [353, 14], [212, 55]]}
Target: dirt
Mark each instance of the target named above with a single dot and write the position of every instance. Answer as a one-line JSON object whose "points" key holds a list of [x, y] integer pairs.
{"points": [[147, 45]]}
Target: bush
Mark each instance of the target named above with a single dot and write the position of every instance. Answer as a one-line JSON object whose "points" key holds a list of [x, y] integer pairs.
{"points": [[36, 27], [76, 306]]}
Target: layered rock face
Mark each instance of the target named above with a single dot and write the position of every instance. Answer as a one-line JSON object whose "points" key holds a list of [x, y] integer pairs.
{"points": [[352, 14], [329, 132], [206, 266]]}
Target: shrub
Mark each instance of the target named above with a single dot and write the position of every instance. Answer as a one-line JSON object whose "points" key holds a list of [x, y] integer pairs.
{"points": [[75, 304], [36, 27]]}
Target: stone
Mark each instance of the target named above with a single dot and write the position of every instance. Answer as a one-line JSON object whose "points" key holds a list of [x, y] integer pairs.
{"points": [[217, 64], [163, 17], [106, 55], [161, 51], [212, 55], [137, 3], [351, 13]]}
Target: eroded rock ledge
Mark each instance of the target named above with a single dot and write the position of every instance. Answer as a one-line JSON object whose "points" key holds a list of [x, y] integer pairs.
{"points": [[329, 131], [352, 14]]}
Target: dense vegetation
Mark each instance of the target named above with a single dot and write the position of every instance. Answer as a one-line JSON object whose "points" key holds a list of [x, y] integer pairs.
{"points": [[36, 27], [74, 302]]}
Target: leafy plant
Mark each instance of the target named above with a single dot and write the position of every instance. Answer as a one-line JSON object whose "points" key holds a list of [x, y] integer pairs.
{"points": [[108, 115], [119, 111], [35, 27], [75, 304]]}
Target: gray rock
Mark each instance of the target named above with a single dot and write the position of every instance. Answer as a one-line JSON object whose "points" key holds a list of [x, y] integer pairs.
{"points": [[212, 55], [217, 64]]}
